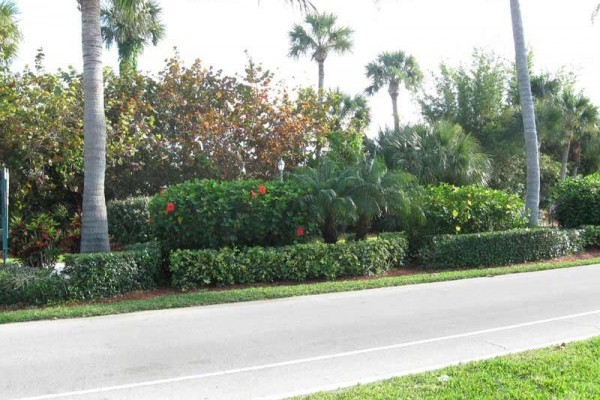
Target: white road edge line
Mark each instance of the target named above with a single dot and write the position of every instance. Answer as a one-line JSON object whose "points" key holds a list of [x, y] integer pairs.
{"points": [[302, 360]]}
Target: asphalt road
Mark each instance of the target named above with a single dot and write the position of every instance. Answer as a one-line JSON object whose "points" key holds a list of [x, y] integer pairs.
{"points": [[276, 349]]}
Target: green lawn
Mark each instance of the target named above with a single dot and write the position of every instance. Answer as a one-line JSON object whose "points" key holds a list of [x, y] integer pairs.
{"points": [[208, 297], [572, 372]]}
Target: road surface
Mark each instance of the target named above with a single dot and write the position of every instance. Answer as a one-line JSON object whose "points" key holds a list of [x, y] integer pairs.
{"points": [[279, 348]]}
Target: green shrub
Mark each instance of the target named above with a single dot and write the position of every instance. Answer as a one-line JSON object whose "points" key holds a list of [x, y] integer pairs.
{"points": [[591, 236], [31, 286], [92, 276], [577, 201], [500, 248], [211, 214], [228, 266], [128, 220], [34, 241], [471, 209]]}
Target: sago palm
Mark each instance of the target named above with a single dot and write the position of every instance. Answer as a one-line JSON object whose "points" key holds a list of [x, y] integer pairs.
{"points": [[131, 31], [10, 36], [393, 70], [319, 37]]}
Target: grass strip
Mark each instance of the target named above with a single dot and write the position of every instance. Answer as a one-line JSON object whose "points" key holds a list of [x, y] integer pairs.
{"points": [[209, 297], [560, 372]]}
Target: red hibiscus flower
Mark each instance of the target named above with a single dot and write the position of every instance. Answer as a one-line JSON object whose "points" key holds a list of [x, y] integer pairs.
{"points": [[262, 189], [300, 231], [254, 193], [170, 207]]}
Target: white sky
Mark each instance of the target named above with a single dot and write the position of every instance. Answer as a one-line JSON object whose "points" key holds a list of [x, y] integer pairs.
{"points": [[218, 31]]}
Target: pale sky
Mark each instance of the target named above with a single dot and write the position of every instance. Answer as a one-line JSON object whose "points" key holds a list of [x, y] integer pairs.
{"points": [[218, 31]]}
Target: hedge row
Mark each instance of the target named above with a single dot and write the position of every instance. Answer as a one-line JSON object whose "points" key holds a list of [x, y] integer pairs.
{"points": [[228, 266], [591, 236], [85, 277], [128, 220], [577, 201], [212, 214], [500, 248]]}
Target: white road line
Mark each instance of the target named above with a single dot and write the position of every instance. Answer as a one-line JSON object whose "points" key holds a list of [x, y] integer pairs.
{"points": [[302, 360]]}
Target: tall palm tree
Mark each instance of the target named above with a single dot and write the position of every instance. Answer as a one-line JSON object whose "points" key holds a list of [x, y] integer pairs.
{"points": [[532, 200], [10, 36], [131, 32], [578, 115], [322, 38], [393, 69], [94, 227]]}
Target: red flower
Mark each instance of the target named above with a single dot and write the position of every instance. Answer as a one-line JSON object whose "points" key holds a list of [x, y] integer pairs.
{"points": [[170, 207], [253, 193], [262, 189], [300, 231]]}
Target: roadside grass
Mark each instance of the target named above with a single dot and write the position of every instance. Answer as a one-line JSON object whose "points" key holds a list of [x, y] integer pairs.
{"points": [[560, 372], [210, 297]]}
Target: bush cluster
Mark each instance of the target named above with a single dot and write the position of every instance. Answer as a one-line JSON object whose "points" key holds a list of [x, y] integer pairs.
{"points": [[591, 236], [228, 266], [500, 248], [128, 220], [211, 214], [577, 201], [85, 277]]}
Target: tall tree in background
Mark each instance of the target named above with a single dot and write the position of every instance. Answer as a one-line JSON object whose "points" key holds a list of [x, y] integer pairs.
{"points": [[131, 31], [532, 201], [10, 35], [393, 69], [321, 38]]}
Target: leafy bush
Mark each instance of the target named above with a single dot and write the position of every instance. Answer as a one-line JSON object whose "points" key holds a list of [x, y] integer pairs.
{"points": [[471, 209], [34, 241], [211, 214], [228, 266], [31, 286], [128, 220], [577, 201], [92, 276], [591, 236], [500, 248]]}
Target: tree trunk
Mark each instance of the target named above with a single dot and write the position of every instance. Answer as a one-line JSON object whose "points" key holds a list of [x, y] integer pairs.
{"points": [[363, 225], [532, 200], [576, 157], [394, 91], [565, 160], [330, 233], [321, 75], [94, 228]]}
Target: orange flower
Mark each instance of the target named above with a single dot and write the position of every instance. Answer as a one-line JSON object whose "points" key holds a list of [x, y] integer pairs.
{"points": [[262, 189]]}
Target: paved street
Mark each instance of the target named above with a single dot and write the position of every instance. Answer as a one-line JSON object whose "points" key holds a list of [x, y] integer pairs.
{"points": [[276, 349]]}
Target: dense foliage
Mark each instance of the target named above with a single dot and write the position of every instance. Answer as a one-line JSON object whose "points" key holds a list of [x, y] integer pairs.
{"points": [[228, 266], [577, 201], [31, 286], [129, 220], [210, 214], [591, 236], [500, 248]]}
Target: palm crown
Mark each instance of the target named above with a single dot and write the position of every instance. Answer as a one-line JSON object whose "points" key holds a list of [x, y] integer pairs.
{"points": [[9, 32]]}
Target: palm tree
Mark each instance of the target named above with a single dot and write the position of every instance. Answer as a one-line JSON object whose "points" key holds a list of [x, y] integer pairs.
{"points": [[434, 154], [577, 115], [532, 200], [328, 187], [394, 69], [322, 38], [94, 225], [131, 32], [10, 35]]}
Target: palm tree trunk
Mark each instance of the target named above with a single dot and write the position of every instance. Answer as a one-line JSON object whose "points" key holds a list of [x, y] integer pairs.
{"points": [[532, 201], [94, 229], [321, 75], [394, 91], [565, 160], [362, 228], [576, 157], [330, 233]]}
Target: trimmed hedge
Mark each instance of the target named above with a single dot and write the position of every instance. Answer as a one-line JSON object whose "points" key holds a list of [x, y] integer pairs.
{"points": [[591, 236], [98, 275], [212, 214], [500, 248], [577, 201], [128, 220], [31, 286], [228, 266]]}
